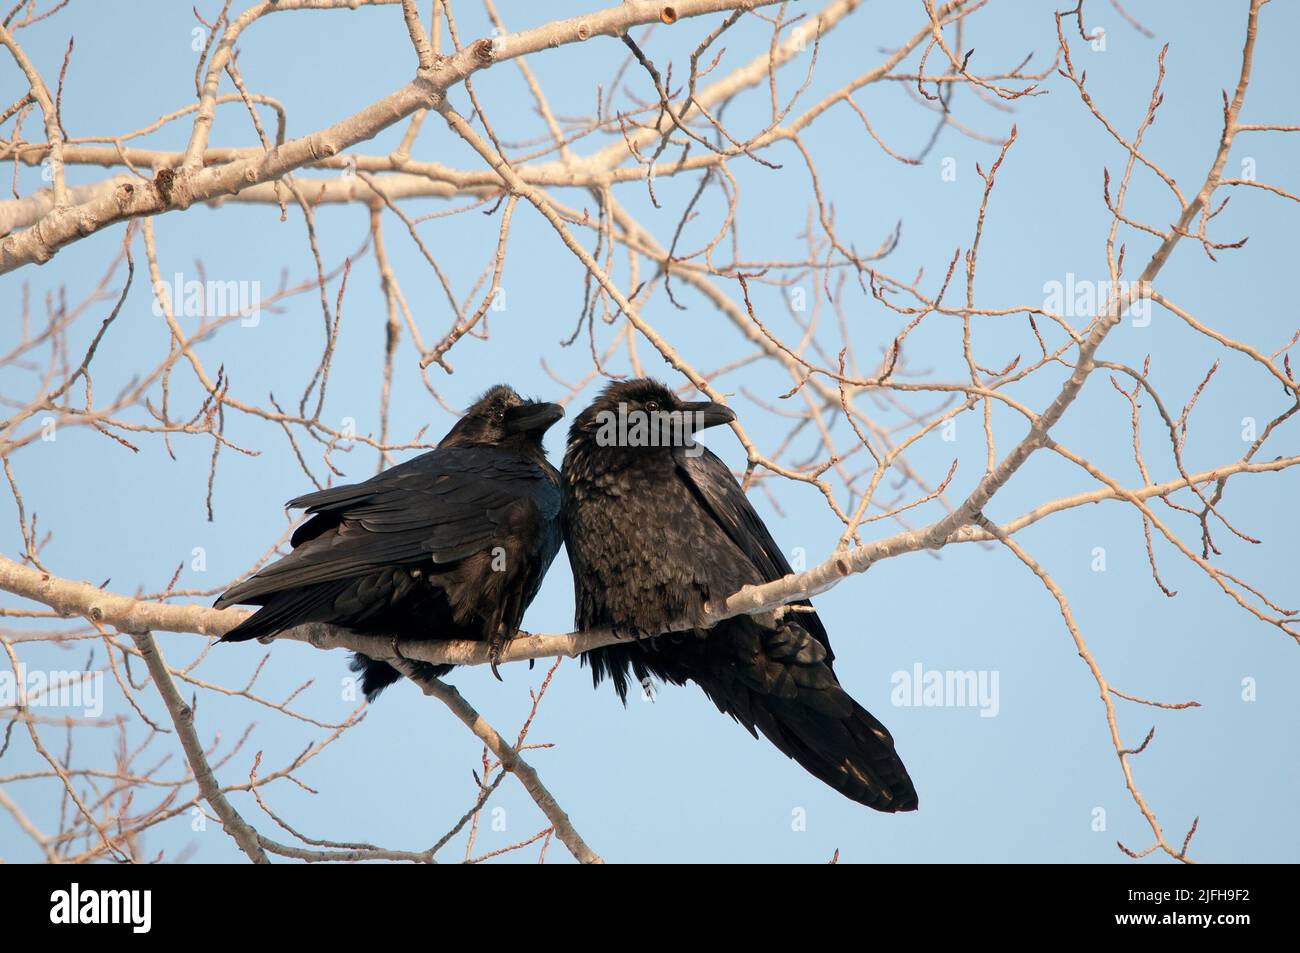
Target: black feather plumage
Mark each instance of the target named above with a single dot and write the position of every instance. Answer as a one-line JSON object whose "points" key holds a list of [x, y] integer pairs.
{"points": [[452, 544], [653, 533]]}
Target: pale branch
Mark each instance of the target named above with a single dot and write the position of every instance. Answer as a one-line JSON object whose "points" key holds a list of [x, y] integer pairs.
{"points": [[509, 758], [1103, 686], [431, 179], [172, 190], [70, 598], [182, 716], [41, 94]]}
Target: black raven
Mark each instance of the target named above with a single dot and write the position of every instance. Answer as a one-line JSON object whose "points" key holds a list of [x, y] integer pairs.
{"points": [[656, 526], [452, 544]]}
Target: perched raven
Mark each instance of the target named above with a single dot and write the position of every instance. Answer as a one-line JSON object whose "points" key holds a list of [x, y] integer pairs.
{"points": [[656, 526], [450, 545]]}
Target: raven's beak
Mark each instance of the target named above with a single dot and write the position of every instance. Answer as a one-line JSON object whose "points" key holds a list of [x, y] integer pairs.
{"points": [[532, 418], [709, 413]]}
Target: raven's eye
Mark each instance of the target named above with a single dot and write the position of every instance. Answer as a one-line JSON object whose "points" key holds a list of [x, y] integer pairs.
{"points": [[652, 405]]}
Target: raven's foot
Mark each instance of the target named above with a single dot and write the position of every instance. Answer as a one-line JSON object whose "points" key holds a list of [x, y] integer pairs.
{"points": [[496, 645], [395, 645], [625, 633]]}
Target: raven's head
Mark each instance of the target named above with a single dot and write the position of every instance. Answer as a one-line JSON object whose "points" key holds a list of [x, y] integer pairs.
{"points": [[643, 415], [501, 418]]}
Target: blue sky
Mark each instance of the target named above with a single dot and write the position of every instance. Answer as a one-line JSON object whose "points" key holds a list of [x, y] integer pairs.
{"points": [[673, 780]]}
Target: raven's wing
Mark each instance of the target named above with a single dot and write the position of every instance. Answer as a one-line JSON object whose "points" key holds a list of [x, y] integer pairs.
{"points": [[777, 681], [726, 502], [442, 506]]}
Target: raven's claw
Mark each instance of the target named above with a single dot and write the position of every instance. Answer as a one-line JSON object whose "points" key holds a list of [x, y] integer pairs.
{"points": [[496, 645]]}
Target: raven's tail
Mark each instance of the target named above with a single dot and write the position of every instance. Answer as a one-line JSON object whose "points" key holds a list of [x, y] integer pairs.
{"points": [[780, 682], [281, 609], [285, 608], [377, 675]]}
